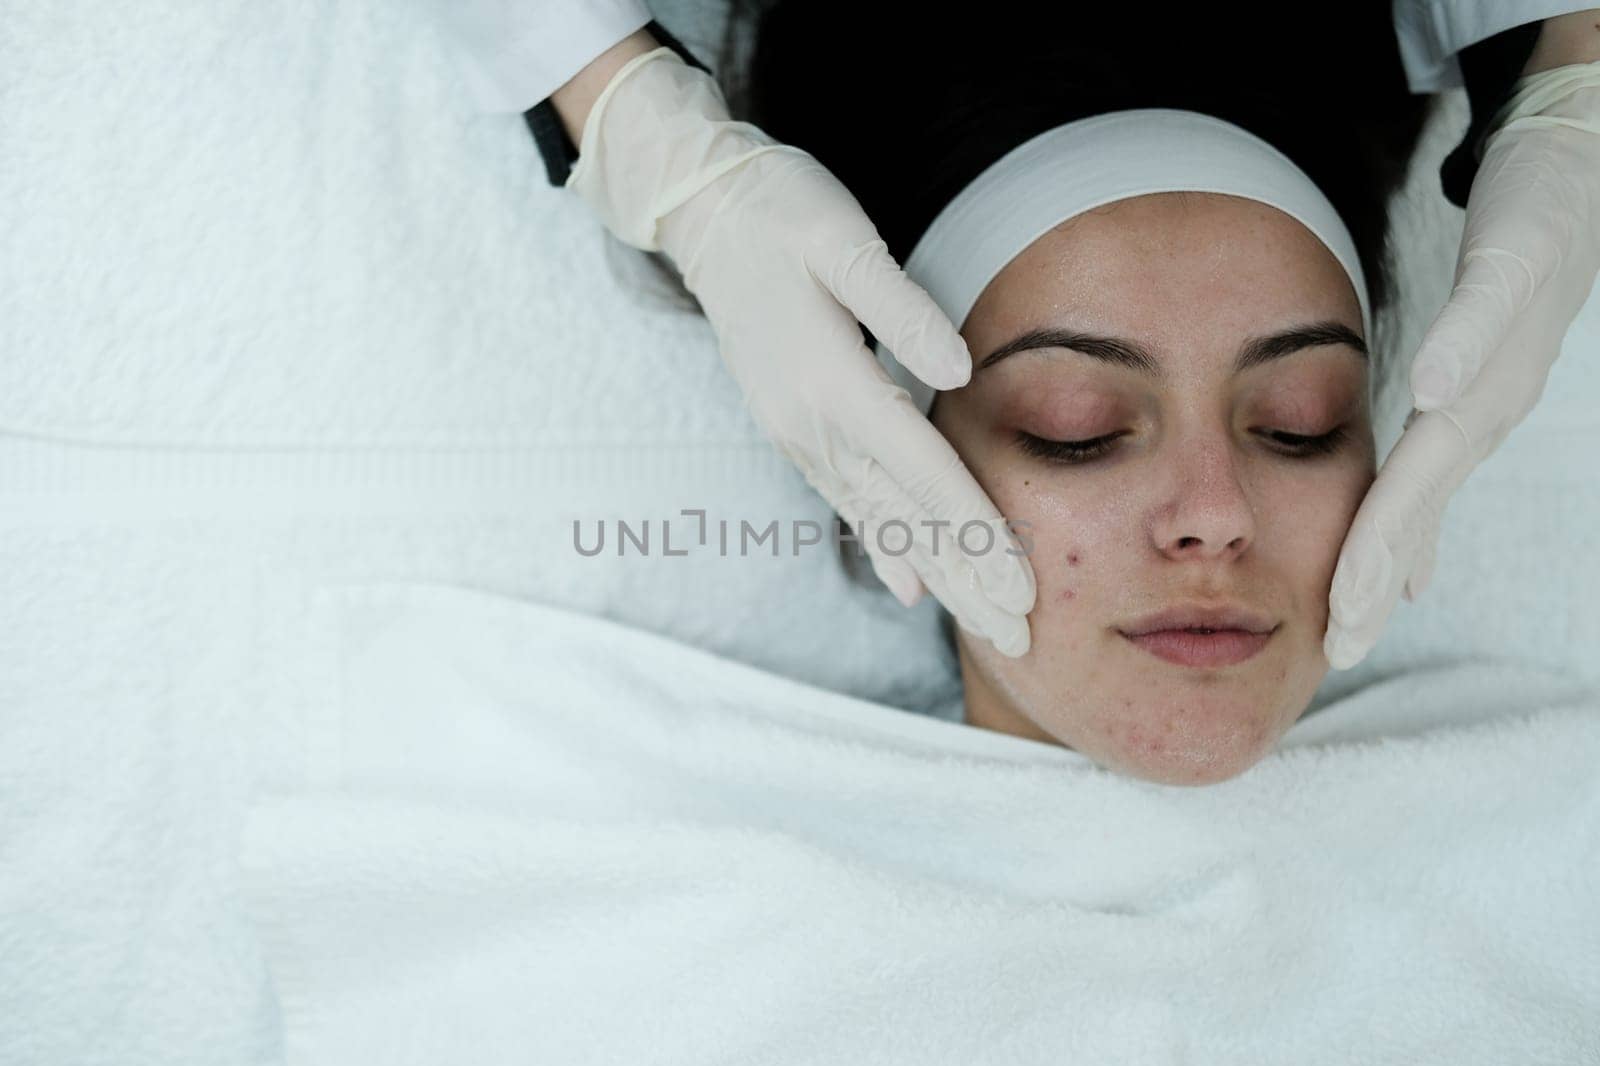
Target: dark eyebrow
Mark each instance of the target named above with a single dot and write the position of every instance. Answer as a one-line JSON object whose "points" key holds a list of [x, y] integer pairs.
{"points": [[1128, 354]]}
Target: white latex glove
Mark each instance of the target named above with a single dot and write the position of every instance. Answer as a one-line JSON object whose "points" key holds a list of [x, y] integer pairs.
{"points": [[1529, 257], [784, 262]]}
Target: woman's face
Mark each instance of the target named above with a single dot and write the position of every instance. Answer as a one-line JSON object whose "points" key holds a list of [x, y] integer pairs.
{"points": [[1203, 498]]}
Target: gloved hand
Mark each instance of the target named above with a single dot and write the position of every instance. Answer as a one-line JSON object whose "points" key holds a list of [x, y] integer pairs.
{"points": [[1528, 261], [784, 262]]}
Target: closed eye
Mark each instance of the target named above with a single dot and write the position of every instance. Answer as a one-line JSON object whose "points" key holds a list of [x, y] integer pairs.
{"points": [[1067, 451], [1322, 444], [1292, 445]]}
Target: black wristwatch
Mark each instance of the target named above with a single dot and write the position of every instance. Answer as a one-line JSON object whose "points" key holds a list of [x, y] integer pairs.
{"points": [[555, 146], [1488, 70]]}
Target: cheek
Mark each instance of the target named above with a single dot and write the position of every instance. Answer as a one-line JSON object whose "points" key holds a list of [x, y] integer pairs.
{"points": [[1047, 514], [1310, 520], [1075, 538]]}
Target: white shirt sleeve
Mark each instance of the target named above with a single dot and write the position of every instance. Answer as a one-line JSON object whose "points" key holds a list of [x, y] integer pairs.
{"points": [[1431, 32], [514, 53]]}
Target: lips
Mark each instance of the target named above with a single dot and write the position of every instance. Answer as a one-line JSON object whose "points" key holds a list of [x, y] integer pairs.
{"points": [[1206, 637], [1220, 647], [1200, 616]]}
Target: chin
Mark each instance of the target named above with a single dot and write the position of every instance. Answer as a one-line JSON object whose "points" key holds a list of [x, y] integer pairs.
{"points": [[1190, 773], [1169, 758]]}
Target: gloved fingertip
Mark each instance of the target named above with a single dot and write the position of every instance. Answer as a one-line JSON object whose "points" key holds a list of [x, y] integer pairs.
{"points": [[1433, 386], [1342, 649], [1357, 589], [1343, 599], [901, 581], [960, 368], [951, 369], [1420, 578], [1006, 575], [1014, 640], [908, 595], [1018, 593]]}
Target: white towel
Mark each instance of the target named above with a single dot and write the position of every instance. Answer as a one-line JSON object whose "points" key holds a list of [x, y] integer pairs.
{"points": [[277, 309], [542, 837], [292, 270]]}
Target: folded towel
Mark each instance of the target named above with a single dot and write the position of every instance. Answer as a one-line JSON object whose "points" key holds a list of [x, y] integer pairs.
{"points": [[543, 837]]}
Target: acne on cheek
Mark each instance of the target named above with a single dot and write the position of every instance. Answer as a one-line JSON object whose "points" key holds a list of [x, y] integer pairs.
{"points": [[1068, 593]]}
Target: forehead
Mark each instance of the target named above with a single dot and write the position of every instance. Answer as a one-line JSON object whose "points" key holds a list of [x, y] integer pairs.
{"points": [[1183, 272]]}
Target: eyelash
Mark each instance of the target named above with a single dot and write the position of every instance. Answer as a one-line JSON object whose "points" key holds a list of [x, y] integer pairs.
{"points": [[1084, 451]]}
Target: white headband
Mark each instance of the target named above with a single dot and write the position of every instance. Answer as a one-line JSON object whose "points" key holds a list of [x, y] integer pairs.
{"points": [[1082, 165]]}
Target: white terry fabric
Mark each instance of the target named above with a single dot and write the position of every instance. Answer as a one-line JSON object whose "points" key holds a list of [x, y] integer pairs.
{"points": [[267, 314], [288, 315], [541, 837], [1081, 165], [1432, 32], [514, 53], [276, 309]]}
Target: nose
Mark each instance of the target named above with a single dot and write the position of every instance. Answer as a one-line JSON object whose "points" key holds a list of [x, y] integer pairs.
{"points": [[1208, 513]]}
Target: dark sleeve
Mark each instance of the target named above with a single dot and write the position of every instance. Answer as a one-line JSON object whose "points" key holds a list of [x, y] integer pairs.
{"points": [[555, 146], [1488, 70]]}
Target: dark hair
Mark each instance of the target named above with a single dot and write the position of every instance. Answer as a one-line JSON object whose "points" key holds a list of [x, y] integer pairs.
{"points": [[906, 106]]}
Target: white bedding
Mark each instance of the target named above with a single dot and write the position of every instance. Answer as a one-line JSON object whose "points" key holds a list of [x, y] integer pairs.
{"points": [[277, 311], [540, 837]]}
